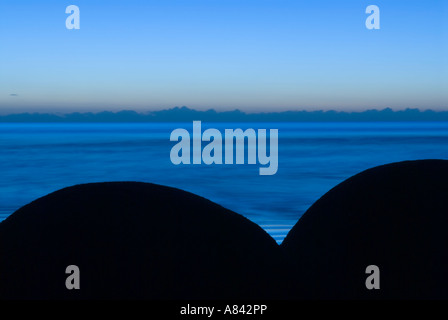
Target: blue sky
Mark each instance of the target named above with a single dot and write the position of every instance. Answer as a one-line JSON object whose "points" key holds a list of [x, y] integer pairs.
{"points": [[264, 55]]}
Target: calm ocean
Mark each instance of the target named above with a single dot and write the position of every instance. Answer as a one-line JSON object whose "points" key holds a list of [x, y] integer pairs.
{"points": [[37, 159]]}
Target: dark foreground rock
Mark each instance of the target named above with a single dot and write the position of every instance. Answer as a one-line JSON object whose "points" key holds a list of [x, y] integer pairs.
{"points": [[393, 216], [135, 241]]}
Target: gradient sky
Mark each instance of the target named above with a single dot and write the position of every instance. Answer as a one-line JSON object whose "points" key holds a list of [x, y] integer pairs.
{"points": [[255, 55]]}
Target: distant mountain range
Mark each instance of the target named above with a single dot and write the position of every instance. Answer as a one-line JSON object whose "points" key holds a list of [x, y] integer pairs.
{"points": [[184, 114]]}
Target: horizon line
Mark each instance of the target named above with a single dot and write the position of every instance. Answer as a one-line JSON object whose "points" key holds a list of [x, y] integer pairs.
{"points": [[185, 114], [175, 108]]}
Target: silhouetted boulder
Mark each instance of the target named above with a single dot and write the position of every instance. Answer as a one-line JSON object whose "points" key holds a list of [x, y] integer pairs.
{"points": [[393, 216], [135, 241]]}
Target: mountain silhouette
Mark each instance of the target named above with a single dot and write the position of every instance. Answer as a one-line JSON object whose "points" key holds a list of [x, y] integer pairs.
{"points": [[185, 114]]}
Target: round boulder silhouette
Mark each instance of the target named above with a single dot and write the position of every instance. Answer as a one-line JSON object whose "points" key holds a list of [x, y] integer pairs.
{"points": [[381, 234], [134, 240]]}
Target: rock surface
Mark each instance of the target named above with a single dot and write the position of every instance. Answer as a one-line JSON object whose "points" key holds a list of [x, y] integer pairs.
{"points": [[135, 241], [393, 216]]}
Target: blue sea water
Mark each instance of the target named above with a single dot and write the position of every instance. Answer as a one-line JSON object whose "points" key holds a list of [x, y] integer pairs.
{"points": [[39, 158]]}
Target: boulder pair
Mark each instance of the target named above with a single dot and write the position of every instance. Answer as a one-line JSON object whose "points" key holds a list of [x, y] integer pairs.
{"points": [[135, 240]]}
